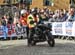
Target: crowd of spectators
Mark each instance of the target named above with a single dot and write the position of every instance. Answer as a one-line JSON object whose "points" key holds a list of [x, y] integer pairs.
{"points": [[45, 14]]}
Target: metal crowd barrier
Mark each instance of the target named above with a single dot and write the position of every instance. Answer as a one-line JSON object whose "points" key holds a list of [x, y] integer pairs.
{"points": [[63, 30], [11, 31]]}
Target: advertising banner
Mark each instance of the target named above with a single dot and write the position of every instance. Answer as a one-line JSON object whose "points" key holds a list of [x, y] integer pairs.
{"points": [[63, 28]]}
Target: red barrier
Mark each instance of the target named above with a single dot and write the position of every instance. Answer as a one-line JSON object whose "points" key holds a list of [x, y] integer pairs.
{"points": [[11, 30]]}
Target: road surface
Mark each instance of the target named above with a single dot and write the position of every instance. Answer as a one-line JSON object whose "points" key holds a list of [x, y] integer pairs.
{"points": [[19, 47]]}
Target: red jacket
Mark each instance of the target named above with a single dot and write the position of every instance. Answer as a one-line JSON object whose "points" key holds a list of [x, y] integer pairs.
{"points": [[23, 20]]}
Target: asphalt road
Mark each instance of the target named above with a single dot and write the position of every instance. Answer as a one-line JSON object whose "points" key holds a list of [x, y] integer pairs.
{"points": [[19, 47]]}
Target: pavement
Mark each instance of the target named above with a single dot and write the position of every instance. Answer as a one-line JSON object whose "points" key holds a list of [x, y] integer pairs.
{"points": [[19, 47]]}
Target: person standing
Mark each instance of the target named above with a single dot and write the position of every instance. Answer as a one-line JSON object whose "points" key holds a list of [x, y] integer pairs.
{"points": [[71, 16], [16, 18], [23, 20]]}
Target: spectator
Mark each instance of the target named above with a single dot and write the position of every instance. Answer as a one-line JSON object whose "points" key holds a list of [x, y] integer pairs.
{"points": [[71, 16], [6, 18], [16, 18], [62, 17], [10, 20], [0, 22], [3, 21], [55, 19]]}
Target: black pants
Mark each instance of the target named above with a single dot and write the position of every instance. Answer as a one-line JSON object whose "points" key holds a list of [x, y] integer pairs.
{"points": [[30, 36], [27, 31]]}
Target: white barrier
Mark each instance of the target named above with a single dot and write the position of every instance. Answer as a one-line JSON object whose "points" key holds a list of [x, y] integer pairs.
{"points": [[63, 28]]}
